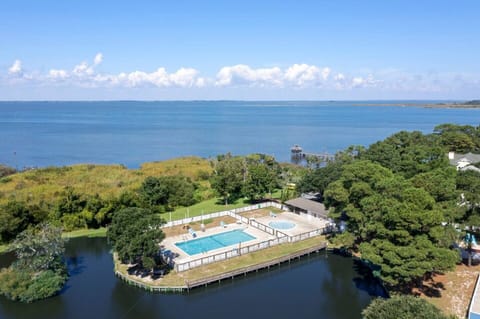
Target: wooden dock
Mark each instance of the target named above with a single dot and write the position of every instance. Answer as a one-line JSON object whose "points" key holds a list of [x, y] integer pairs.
{"points": [[297, 154], [321, 156], [227, 275], [255, 268]]}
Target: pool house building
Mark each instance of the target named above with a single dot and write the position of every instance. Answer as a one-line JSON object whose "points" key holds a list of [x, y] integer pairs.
{"points": [[305, 206]]}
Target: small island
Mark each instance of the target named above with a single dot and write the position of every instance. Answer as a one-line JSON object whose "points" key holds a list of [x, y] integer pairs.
{"points": [[472, 104], [39, 271]]}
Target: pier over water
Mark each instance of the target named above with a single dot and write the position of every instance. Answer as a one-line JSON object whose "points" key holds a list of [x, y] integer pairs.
{"points": [[298, 155]]}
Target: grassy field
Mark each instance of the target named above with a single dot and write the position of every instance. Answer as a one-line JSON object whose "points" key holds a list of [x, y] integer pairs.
{"points": [[100, 232], [174, 279], [47, 184]]}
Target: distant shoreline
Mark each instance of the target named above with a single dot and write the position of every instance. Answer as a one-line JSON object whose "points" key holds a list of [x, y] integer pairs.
{"points": [[429, 105], [454, 104]]}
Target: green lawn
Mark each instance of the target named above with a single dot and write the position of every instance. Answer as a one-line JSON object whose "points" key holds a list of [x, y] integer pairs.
{"points": [[210, 206], [99, 232], [206, 207]]}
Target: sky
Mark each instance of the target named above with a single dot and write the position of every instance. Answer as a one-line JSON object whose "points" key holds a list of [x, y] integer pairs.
{"points": [[239, 50]]}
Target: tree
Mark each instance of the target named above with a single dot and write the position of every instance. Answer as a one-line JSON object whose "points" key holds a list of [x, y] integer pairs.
{"points": [[318, 179], [408, 153], [40, 248], [39, 271], [396, 226], [71, 202], [167, 192], [460, 138], [228, 176], [468, 183], [180, 191], [402, 307], [15, 217], [135, 234], [153, 192], [262, 177], [439, 183]]}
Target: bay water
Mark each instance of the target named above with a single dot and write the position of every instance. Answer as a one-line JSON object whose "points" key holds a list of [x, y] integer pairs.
{"points": [[39, 134]]}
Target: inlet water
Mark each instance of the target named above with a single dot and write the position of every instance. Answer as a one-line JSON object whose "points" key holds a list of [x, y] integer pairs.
{"points": [[322, 286]]}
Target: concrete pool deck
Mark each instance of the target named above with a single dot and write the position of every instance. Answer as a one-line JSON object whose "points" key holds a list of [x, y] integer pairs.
{"points": [[303, 224]]}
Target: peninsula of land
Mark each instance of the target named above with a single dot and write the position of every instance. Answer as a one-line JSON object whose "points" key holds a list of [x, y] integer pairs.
{"points": [[473, 104]]}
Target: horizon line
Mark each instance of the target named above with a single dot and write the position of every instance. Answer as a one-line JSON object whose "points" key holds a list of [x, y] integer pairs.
{"points": [[238, 100]]}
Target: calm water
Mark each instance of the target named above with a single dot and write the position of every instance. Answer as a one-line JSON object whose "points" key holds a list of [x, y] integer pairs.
{"points": [[129, 133], [329, 287]]}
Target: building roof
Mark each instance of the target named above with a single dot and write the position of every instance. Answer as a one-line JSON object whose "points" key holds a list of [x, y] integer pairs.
{"points": [[470, 157], [470, 168], [308, 205]]}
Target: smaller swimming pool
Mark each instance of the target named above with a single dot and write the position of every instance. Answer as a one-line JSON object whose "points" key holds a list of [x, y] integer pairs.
{"points": [[282, 224], [205, 244]]}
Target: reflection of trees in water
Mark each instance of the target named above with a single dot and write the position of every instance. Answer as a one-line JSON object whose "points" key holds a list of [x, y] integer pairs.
{"points": [[94, 246], [344, 300], [366, 281], [75, 264]]}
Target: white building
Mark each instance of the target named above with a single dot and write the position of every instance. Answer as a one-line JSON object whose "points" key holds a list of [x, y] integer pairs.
{"points": [[464, 162]]}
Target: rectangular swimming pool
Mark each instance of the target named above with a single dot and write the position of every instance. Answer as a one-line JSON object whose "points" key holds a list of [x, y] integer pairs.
{"points": [[201, 245]]}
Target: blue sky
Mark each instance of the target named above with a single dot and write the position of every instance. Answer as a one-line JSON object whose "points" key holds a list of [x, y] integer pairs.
{"points": [[239, 49]]}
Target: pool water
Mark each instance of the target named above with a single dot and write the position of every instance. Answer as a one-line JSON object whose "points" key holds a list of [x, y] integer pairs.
{"points": [[282, 224], [205, 244]]}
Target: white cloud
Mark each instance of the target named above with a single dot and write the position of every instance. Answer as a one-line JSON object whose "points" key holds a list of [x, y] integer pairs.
{"points": [[98, 58], [304, 74], [58, 74], [82, 69], [311, 78], [298, 75], [184, 77], [16, 68], [244, 74]]}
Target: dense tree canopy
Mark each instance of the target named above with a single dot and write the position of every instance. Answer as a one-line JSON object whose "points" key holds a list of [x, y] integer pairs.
{"points": [[402, 307], [459, 138], [396, 226], [408, 153], [135, 234], [318, 179]]}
